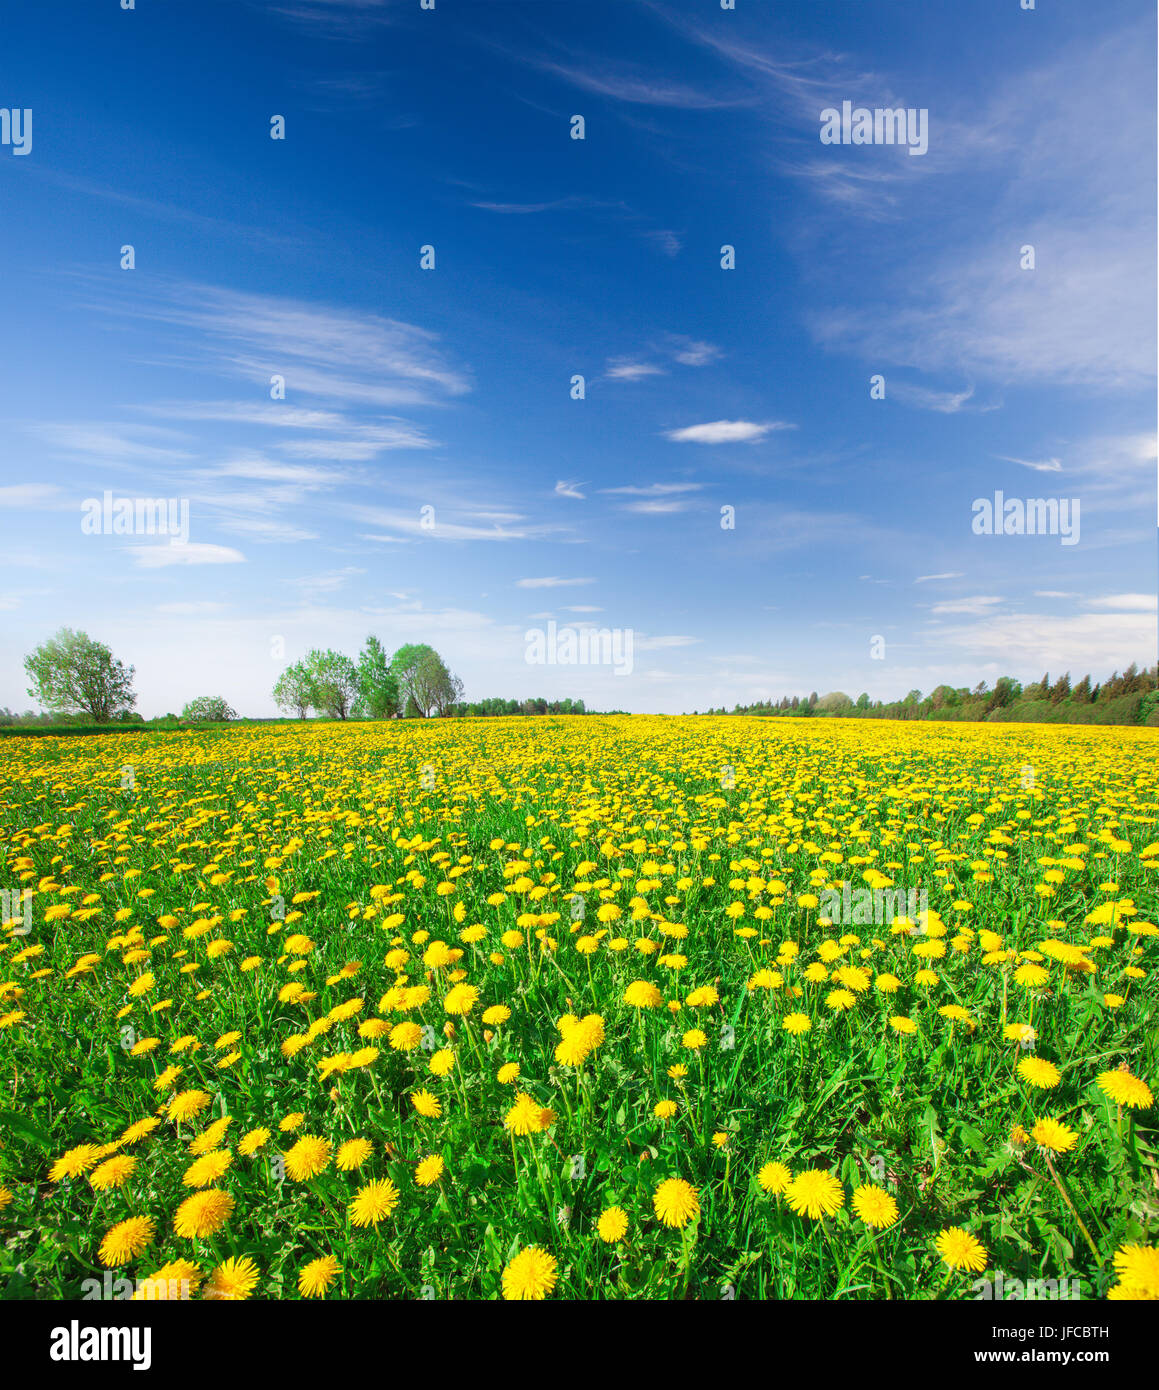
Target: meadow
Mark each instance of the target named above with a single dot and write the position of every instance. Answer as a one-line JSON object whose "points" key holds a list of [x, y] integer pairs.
{"points": [[563, 1008]]}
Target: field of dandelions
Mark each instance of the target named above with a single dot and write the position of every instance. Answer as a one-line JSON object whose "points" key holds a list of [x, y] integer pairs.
{"points": [[526, 1008]]}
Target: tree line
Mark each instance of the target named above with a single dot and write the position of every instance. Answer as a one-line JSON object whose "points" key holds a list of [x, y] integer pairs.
{"points": [[1129, 698]]}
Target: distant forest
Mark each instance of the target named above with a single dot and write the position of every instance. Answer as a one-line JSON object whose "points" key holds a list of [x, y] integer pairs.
{"points": [[1130, 698]]}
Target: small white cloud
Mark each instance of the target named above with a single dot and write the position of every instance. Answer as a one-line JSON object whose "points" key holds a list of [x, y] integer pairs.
{"points": [[551, 582], [1045, 466], [664, 240], [979, 604], [652, 490], [151, 557], [190, 610], [264, 530], [1053, 593], [691, 353], [950, 574], [625, 369], [924, 398], [726, 432], [1126, 603], [570, 489], [582, 608], [655, 644], [657, 508], [29, 495]]}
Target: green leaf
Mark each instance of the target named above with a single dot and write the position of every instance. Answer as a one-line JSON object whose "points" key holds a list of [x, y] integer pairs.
{"points": [[19, 1125]]}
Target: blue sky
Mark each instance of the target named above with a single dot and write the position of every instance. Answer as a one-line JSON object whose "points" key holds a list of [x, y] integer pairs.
{"points": [[449, 388]]}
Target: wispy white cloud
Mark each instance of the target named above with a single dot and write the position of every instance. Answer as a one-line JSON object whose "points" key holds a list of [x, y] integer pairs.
{"points": [[1125, 603], [191, 608], [658, 507], [1037, 641], [726, 432], [570, 489], [979, 603], [925, 398], [641, 87], [664, 240], [113, 443], [551, 582], [328, 352], [625, 369], [151, 557], [263, 529], [690, 352], [1045, 466], [444, 526], [30, 495], [651, 489]]}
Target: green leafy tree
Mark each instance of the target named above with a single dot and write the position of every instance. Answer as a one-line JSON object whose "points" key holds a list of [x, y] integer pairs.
{"points": [[424, 681], [294, 690], [208, 709], [434, 688], [377, 682], [834, 700], [71, 674], [333, 680], [404, 666], [1006, 691]]}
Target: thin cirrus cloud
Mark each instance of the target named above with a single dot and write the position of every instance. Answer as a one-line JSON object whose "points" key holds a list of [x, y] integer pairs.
{"points": [[1028, 641], [329, 352], [943, 402], [1051, 465], [112, 443], [978, 604], [152, 557], [677, 347], [635, 87], [690, 352], [298, 475], [32, 495], [1072, 180], [656, 499], [565, 488], [624, 369], [1126, 603], [263, 529], [658, 507], [726, 432], [551, 582], [411, 524], [651, 490], [928, 578]]}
